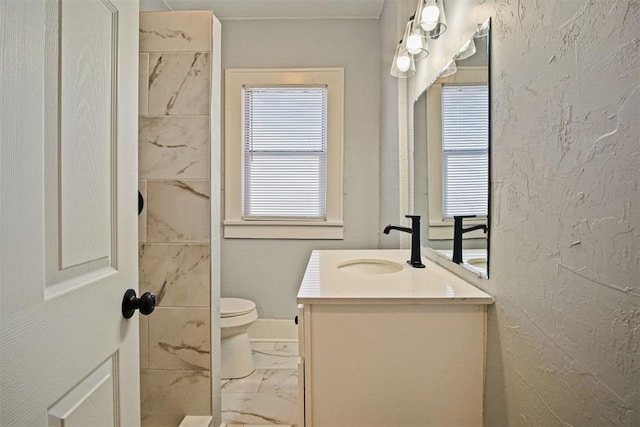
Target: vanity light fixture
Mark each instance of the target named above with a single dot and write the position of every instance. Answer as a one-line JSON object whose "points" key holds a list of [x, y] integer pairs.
{"points": [[403, 64], [431, 22], [427, 23], [416, 45]]}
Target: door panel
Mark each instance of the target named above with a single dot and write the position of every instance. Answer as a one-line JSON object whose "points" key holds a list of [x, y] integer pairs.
{"points": [[68, 178], [81, 143], [90, 403], [88, 50]]}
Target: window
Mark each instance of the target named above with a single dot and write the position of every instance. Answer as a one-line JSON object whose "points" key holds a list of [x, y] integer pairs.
{"points": [[457, 150], [283, 153], [285, 150]]}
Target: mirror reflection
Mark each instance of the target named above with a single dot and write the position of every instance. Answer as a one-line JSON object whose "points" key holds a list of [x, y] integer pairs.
{"points": [[451, 156]]}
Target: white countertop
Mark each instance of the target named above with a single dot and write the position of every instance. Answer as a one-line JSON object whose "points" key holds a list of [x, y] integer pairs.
{"points": [[324, 283]]}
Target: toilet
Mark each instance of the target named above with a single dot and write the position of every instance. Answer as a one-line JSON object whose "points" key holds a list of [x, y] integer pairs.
{"points": [[236, 315]]}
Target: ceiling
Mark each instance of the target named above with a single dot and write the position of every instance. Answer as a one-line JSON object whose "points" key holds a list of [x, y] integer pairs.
{"points": [[274, 9]]}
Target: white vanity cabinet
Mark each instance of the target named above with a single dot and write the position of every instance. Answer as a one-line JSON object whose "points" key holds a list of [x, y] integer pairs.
{"points": [[376, 351]]}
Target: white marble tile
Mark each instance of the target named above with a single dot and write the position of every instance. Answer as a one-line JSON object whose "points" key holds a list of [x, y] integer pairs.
{"points": [[249, 384], [143, 84], [275, 355], [174, 147], [262, 345], [177, 274], [144, 342], [286, 348], [142, 216], [179, 338], [178, 211], [258, 408], [279, 381], [167, 396], [179, 84], [177, 31]]}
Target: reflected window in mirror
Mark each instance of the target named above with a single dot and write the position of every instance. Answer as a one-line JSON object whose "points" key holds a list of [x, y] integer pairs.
{"points": [[465, 150], [457, 150]]}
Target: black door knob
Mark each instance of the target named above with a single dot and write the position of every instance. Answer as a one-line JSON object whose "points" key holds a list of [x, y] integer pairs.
{"points": [[130, 303], [140, 203]]}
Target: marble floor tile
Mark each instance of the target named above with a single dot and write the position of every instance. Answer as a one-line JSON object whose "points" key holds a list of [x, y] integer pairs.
{"points": [[249, 384], [267, 356], [279, 381], [259, 408], [262, 345], [268, 396], [286, 348]]}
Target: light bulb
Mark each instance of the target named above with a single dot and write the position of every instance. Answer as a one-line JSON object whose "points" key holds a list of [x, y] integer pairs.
{"points": [[403, 62], [429, 18], [414, 44]]}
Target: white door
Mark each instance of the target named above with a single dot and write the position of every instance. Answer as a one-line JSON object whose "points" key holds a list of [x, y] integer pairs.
{"points": [[68, 236]]}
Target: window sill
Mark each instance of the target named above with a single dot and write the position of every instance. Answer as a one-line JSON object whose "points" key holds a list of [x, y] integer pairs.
{"points": [[293, 230]]}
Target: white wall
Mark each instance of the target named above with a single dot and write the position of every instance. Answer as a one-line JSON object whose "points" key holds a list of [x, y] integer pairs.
{"points": [[392, 22], [564, 333], [269, 271]]}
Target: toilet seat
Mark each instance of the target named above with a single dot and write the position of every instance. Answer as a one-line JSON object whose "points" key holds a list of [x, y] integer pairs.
{"points": [[232, 307]]}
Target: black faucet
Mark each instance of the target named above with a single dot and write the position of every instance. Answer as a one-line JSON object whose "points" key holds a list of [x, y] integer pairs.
{"points": [[416, 259], [458, 231]]}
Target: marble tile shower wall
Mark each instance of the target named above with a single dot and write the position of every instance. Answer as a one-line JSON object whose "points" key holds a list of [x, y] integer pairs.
{"points": [[174, 145]]}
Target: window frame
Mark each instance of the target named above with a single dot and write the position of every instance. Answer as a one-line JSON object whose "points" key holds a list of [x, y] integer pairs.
{"points": [[440, 228], [234, 224]]}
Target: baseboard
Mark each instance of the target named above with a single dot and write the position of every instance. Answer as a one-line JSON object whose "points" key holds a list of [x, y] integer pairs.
{"points": [[284, 330]]}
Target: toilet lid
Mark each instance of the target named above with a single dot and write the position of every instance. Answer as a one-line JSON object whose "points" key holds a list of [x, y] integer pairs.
{"points": [[230, 307]]}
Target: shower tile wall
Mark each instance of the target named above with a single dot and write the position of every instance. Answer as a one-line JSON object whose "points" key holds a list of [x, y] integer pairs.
{"points": [[174, 147]]}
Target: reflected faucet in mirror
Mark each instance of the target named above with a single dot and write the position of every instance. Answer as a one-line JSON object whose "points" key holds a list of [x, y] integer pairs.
{"points": [[416, 258], [458, 231]]}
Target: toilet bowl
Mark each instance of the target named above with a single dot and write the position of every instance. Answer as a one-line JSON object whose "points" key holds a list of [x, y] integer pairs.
{"points": [[236, 315]]}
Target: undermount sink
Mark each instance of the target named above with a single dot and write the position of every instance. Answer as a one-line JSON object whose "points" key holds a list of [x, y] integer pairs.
{"points": [[370, 266], [478, 262]]}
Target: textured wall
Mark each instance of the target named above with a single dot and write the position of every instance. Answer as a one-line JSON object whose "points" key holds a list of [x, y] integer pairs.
{"points": [[174, 169], [269, 271], [564, 334]]}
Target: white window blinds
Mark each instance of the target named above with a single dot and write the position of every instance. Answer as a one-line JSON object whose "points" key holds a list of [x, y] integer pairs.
{"points": [[465, 150], [285, 149]]}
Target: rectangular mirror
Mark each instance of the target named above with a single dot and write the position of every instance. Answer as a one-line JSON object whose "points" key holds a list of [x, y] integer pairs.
{"points": [[451, 170]]}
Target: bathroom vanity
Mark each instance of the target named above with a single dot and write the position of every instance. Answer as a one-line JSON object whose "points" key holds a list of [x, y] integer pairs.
{"points": [[382, 343]]}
